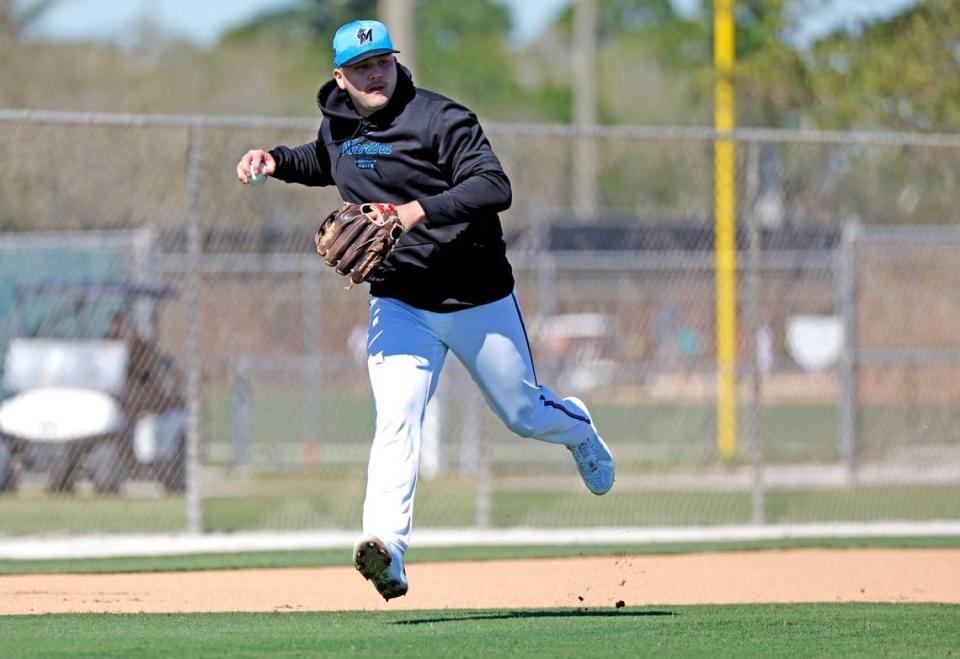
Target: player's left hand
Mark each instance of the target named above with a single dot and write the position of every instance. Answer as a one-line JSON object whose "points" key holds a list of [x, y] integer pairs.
{"points": [[356, 238]]}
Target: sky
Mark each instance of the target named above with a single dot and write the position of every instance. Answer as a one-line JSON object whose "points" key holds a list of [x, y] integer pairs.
{"points": [[847, 15], [203, 21]]}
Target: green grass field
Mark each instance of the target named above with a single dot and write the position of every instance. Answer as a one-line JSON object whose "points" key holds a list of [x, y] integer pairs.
{"points": [[821, 630], [531, 484], [304, 502], [647, 434]]}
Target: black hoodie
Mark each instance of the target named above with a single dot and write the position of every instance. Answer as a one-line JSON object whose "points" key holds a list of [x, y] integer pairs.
{"points": [[422, 146]]}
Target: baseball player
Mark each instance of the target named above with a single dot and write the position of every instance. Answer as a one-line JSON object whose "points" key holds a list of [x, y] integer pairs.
{"points": [[445, 286]]}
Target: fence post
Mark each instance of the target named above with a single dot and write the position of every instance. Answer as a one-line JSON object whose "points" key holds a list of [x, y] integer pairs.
{"points": [[752, 310], [847, 303], [312, 308], [584, 184], [240, 418], [484, 496], [475, 455], [194, 247]]}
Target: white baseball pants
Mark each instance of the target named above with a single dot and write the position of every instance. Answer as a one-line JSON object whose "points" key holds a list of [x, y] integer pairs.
{"points": [[406, 348]]}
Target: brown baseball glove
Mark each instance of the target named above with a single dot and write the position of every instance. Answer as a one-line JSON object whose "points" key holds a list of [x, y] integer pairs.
{"points": [[356, 238]]}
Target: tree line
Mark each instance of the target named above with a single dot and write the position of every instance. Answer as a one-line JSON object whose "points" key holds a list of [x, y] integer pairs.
{"points": [[654, 65]]}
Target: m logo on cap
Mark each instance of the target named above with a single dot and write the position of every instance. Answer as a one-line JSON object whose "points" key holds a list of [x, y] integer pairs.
{"points": [[356, 41]]}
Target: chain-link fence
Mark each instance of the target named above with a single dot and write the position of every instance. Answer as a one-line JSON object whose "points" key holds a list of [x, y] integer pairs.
{"points": [[177, 358]]}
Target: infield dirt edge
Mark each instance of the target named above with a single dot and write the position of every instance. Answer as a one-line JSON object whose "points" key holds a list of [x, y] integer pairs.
{"points": [[774, 576]]}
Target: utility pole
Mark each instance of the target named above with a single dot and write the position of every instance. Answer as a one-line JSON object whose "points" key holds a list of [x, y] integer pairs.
{"points": [[400, 18], [585, 163]]}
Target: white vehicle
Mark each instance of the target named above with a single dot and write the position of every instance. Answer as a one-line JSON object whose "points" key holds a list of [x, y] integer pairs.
{"points": [[86, 395]]}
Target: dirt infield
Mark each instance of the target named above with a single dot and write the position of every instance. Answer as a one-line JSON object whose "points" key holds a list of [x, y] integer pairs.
{"points": [[797, 575]]}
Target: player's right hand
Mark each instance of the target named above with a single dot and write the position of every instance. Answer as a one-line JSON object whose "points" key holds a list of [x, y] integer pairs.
{"points": [[253, 159]]}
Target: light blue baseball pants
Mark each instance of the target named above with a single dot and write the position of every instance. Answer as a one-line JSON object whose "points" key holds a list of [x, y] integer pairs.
{"points": [[406, 348]]}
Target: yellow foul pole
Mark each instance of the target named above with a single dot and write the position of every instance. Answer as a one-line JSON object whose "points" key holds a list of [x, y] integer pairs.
{"points": [[725, 249]]}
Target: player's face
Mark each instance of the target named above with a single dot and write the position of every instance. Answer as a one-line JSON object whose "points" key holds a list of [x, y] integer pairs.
{"points": [[369, 82]]}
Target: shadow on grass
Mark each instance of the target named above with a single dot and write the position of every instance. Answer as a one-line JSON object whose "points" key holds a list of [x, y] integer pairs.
{"points": [[505, 615]]}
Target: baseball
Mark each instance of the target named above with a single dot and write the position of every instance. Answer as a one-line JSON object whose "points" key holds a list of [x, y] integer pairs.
{"points": [[257, 176]]}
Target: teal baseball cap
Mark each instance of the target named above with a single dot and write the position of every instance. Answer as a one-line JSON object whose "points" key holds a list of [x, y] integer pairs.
{"points": [[359, 40]]}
